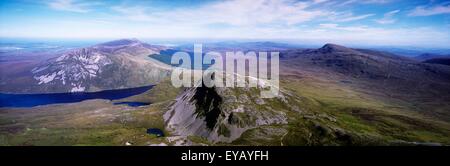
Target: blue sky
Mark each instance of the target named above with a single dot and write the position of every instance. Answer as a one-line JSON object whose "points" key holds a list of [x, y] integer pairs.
{"points": [[423, 23]]}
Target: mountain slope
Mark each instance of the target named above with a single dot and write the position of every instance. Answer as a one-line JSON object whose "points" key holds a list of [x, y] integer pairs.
{"points": [[223, 114], [442, 61], [111, 65], [427, 56], [424, 87]]}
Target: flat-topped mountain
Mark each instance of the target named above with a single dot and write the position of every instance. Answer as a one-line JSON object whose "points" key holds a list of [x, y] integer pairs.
{"points": [[121, 42]]}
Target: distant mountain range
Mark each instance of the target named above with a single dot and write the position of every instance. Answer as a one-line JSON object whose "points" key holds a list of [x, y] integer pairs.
{"points": [[413, 51], [129, 63]]}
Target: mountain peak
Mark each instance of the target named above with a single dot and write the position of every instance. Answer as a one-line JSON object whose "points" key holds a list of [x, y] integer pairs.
{"points": [[329, 47], [334, 47], [121, 42]]}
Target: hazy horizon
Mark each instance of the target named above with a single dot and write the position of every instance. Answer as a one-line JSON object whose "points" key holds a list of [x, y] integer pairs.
{"points": [[82, 42], [397, 23]]}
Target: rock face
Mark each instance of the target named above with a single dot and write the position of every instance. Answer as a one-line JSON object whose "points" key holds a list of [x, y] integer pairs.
{"points": [[216, 114], [73, 68], [112, 65]]}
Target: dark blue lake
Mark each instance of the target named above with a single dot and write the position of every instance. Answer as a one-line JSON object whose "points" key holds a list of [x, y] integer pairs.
{"points": [[132, 103], [155, 131], [31, 100]]}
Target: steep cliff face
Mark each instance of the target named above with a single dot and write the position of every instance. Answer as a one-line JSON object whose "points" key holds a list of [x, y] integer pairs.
{"points": [[223, 114]]}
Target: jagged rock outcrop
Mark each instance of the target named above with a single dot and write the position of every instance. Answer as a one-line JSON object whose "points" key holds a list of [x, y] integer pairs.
{"points": [[223, 114]]}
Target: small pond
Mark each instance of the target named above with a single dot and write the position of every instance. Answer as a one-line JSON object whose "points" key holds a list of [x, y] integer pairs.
{"points": [[132, 103], [155, 131]]}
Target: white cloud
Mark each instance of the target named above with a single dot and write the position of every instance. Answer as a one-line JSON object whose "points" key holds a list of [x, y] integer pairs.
{"points": [[347, 2], [135, 13], [328, 25], [343, 28], [377, 1], [364, 35], [249, 19], [351, 17], [71, 5], [234, 12], [428, 11], [319, 1], [388, 18]]}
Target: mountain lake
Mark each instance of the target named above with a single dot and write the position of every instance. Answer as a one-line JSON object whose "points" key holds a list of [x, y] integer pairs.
{"points": [[31, 100]]}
